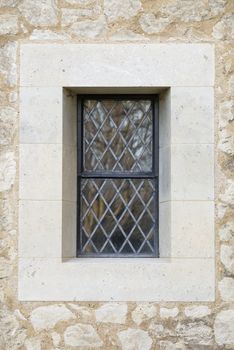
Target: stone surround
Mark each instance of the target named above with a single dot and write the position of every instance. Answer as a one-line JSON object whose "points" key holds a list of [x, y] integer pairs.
{"points": [[74, 325], [47, 215]]}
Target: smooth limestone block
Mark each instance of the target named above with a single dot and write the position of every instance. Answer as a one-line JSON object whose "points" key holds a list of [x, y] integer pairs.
{"points": [[69, 115], [41, 115], [69, 229], [165, 229], [40, 171], [192, 172], [192, 115], [164, 174], [186, 229], [69, 173], [165, 118], [104, 279], [192, 229], [117, 65], [44, 217]]}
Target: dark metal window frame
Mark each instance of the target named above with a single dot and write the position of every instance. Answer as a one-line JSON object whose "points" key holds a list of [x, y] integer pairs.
{"points": [[118, 175]]}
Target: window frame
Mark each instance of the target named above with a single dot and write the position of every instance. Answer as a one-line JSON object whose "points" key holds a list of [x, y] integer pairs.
{"points": [[154, 174]]}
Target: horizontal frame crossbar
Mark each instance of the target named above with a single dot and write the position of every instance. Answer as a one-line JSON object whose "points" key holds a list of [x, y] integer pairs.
{"points": [[117, 175]]}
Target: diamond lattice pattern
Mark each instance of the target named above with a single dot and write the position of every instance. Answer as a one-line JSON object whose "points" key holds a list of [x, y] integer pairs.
{"points": [[117, 135], [118, 216]]}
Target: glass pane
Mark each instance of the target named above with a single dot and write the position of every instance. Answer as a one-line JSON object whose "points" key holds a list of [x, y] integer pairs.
{"points": [[118, 216], [118, 135]]}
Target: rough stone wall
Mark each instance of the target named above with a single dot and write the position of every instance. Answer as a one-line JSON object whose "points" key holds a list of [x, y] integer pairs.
{"points": [[167, 326]]}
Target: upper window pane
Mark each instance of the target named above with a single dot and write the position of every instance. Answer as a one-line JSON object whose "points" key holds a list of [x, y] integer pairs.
{"points": [[118, 135]]}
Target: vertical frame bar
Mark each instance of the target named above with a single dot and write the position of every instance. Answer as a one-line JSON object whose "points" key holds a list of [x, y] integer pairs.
{"points": [[79, 170], [156, 169]]}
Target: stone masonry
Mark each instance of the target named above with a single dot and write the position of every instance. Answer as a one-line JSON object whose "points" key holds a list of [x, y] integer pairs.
{"points": [[132, 326]]}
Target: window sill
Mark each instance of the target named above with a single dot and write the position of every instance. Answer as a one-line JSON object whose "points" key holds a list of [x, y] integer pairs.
{"points": [[104, 280]]}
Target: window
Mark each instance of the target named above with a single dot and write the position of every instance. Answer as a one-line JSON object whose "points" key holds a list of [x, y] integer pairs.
{"points": [[117, 176]]}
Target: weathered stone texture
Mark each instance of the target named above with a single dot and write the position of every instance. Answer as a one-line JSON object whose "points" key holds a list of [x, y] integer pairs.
{"points": [[157, 329], [70, 16], [226, 231], [46, 317], [80, 2], [152, 24], [7, 170], [142, 326], [227, 257], [115, 9], [127, 35], [223, 327], [228, 195], [8, 24], [133, 339], [227, 140], [186, 11], [143, 312], [12, 335], [9, 3], [8, 72], [226, 113], [5, 268], [33, 344], [112, 313], [197, 311], [82, 335], [40, 12], [226, 288], [8, 122], [7, 218], [83, 313], [224, 29], [168, 345], [56, 338], [169, 312], [89, 28], [195, 333], [38, 34]]}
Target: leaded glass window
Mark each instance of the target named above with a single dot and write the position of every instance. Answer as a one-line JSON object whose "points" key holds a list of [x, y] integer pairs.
{"points": [[117, 176]]}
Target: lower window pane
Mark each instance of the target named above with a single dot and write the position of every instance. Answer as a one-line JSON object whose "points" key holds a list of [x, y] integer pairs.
{"points": [[118, 217]]}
